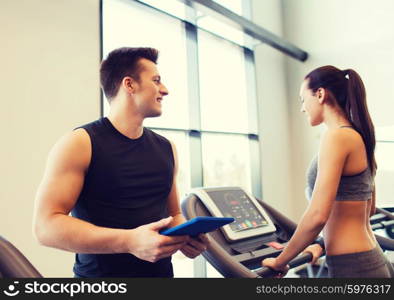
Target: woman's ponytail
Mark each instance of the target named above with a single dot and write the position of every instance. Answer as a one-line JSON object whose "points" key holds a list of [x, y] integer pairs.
{"points": [[357, 112]]}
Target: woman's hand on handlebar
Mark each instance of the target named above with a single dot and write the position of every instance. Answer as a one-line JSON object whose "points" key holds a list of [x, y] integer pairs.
{"points": [[273, 264], [316, 250]]}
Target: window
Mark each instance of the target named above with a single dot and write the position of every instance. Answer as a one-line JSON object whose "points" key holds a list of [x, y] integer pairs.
{"points": [[222, 89], [210, 113], [226, 160], [181, 141]]}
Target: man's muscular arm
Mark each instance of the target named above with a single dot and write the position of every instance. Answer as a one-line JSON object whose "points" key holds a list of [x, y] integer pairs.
{"points": [[57, 194]]}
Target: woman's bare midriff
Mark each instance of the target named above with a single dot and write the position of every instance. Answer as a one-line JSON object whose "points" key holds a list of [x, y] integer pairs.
{"points": [[347, 229]]}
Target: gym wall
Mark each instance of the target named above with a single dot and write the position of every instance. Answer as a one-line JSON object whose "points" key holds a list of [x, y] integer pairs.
{"points": [[49, 84]]}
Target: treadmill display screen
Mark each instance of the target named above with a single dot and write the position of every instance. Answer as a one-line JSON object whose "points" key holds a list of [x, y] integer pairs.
{"points": [[238, 205]]}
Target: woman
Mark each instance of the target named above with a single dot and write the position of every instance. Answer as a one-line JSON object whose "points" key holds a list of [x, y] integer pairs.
{"points": [[340, 179]]}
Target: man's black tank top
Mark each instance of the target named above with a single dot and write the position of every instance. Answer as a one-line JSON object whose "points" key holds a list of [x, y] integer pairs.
{"points": [[126, 186]]}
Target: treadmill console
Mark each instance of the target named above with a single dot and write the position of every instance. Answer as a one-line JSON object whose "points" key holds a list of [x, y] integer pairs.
{"points": [[250, 218]]}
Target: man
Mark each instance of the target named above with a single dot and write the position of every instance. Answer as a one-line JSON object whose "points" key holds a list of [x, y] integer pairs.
{"points": [[118, 180]]}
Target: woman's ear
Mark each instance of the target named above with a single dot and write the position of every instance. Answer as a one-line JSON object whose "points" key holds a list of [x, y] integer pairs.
{"points": [[321, 95]]}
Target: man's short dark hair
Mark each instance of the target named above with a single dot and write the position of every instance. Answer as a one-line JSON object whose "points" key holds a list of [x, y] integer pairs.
{"points": [[120, 63]]}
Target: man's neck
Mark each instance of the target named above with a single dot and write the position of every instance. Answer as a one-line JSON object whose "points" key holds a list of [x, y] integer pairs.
{"points": [[126, 121]]}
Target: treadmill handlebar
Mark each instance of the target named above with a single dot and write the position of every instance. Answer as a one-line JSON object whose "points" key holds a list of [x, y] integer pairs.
{"points": [[299, 260]]}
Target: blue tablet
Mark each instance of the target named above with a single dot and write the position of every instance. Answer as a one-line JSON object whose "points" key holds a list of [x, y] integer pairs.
{"points": [[197, 225]]}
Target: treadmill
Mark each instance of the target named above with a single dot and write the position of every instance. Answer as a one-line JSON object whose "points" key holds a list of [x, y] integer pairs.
{"points": [[259, 231]]}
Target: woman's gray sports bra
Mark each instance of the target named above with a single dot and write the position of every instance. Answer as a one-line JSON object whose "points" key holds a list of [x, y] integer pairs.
{"points": [[357, 187]]}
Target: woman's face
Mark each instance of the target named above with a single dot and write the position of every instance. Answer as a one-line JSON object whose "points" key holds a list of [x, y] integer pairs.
{"points": [[312, 104]]}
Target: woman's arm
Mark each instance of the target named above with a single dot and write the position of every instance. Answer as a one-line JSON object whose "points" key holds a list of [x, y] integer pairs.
{"points": [[333, 153], [373, 202], [371, 210]]}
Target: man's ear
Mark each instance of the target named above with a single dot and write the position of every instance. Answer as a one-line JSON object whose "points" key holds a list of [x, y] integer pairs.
{"points": [[129, 84]]}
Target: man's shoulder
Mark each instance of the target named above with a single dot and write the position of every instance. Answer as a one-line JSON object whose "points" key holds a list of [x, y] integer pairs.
{"points": [[92, 125], [72, 150], [94, 130], [77, 138]]}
